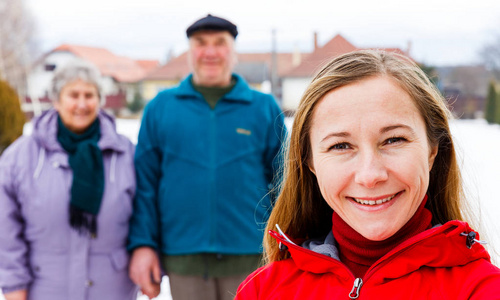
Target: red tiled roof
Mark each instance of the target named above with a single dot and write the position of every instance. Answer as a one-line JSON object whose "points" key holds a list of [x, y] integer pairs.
{"points": [[313, 62], [148, 65], [122, 69], [335, 47], [178, 67], [175, 69]]}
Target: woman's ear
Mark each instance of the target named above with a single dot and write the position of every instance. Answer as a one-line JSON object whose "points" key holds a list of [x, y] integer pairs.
{"points": [[310, 166], [432, 155], [56, 105]]}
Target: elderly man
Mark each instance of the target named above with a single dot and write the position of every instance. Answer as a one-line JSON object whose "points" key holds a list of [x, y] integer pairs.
{"points": [[205, 162]]}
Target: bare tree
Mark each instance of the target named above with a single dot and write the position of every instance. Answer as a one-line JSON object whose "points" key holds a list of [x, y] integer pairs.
{"points": [[490, 54], [16, 43]]}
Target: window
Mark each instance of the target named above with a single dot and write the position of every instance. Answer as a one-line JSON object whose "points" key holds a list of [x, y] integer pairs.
{"points": [[50, 67]]}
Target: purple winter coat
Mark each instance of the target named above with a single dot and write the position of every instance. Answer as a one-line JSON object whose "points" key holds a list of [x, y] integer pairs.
{"points": [[39, 251]]}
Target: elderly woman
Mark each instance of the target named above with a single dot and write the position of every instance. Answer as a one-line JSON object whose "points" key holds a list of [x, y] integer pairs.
{"points": [[65, 200], [371, 205]]}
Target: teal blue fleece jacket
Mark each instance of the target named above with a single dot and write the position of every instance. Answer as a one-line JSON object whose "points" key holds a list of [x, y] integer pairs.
{"points": [[203, 175]]}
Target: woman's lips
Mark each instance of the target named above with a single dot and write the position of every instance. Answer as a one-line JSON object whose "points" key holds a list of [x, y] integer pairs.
{"points": [[374, 202]]}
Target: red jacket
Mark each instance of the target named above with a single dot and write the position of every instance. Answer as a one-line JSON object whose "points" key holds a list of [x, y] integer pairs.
{"points": [[435, 264]]}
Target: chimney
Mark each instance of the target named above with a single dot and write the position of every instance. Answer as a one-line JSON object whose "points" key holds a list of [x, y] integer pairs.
{"points": [[315, 41], [296, 56], [408, 47]]}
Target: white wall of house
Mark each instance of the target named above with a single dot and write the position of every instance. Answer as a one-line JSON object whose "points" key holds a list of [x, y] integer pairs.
{"points": [[293, 88], [40, 77]]}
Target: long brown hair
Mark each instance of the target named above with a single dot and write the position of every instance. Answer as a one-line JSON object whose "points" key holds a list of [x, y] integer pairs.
{"points": [[300, 210]]}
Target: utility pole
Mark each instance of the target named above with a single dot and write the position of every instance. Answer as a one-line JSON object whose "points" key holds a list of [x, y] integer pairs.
{"points": [[274, 68]]}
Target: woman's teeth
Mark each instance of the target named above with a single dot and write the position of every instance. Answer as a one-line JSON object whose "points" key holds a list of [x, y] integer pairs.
{"points": [[377, 202]]}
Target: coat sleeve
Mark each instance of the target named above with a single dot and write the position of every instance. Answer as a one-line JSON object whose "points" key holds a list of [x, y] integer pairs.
{"points": [[276, 140], [144, 224], [484, 285], [14, 262], [248, 288]]}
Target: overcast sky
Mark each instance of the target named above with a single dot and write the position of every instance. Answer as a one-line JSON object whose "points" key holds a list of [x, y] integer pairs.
{"points": [[441, 32]]}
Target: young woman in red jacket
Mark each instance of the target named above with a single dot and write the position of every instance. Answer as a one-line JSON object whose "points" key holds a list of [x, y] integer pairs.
{"points": [[371, 206]]}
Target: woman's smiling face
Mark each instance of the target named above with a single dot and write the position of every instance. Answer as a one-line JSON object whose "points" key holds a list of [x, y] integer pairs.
{"points": [[371, 155], [78, 105]]}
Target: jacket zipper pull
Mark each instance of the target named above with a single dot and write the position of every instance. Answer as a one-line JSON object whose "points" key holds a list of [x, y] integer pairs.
{"points": [[354, 294]]}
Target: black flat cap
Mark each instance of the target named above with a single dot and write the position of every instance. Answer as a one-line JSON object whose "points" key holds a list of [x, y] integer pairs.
{"points": [[212, 23]]}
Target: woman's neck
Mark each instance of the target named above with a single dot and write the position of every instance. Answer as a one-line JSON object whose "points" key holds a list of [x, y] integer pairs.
{"points": [[358, 253]]}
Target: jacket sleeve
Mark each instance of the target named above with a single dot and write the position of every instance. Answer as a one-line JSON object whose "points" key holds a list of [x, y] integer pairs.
{"points": [[144, 224], [276, 140], [248, 289], [14, 262], [485, 285]]}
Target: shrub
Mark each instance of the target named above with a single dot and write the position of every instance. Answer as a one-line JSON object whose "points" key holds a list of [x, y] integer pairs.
{"points": [[11, 116]]}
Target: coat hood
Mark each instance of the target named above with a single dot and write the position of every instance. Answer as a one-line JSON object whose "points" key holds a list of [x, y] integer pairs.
{"points": [[447, 246]]}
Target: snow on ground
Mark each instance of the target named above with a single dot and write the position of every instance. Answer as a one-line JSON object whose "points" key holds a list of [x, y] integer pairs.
{"points": [[478, 147]]}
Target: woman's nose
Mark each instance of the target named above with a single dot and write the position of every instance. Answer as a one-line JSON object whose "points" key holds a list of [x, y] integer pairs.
{"points": [[81, 102], [370, 170]]}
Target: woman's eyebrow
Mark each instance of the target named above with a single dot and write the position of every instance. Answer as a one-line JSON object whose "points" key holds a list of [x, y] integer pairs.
{"points": [[336, 134], [396, 126]]}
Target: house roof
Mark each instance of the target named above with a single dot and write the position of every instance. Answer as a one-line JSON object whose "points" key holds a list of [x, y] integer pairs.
{"points": [[148, 65], [178, 67], [338, 45], [289, 64], [313, 62], [121, 68]]}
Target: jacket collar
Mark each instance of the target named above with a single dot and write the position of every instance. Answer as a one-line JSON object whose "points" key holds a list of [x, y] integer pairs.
{"points": [[241, 91], [447, 245], [45, 132]]}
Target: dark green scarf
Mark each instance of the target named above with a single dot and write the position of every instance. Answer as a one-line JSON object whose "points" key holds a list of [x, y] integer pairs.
{"points": [[87, 188]]}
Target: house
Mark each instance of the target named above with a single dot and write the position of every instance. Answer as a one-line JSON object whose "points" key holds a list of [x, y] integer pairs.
{"points": [[120, 75], [296, 80], [465, 88], [256, 68]]}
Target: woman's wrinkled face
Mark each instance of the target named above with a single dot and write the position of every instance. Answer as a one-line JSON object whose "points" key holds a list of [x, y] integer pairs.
{"points": [[78, 105], [371, 155]]}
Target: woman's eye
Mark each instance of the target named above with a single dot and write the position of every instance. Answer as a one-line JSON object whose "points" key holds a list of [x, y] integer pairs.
{"points": [[340, 146], [394, 140]]}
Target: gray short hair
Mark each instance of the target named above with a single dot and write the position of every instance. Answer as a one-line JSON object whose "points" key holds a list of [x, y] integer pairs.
{"points": [[75, 70]]}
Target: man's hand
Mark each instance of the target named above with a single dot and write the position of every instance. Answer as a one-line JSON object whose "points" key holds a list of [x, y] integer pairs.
{"points": [[16, 295], [145, 271]]}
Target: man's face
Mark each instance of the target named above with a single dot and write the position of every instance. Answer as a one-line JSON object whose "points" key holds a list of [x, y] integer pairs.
{"points": [[212, 57]]}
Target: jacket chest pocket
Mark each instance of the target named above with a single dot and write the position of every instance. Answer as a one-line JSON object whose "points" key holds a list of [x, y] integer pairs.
{"points": [[240, 142], [44, 200]]}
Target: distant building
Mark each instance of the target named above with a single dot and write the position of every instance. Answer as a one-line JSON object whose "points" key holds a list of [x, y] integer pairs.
{"points": [[290, 72], [297, 79], [121, 75], [465, 88], [256, 68]]}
